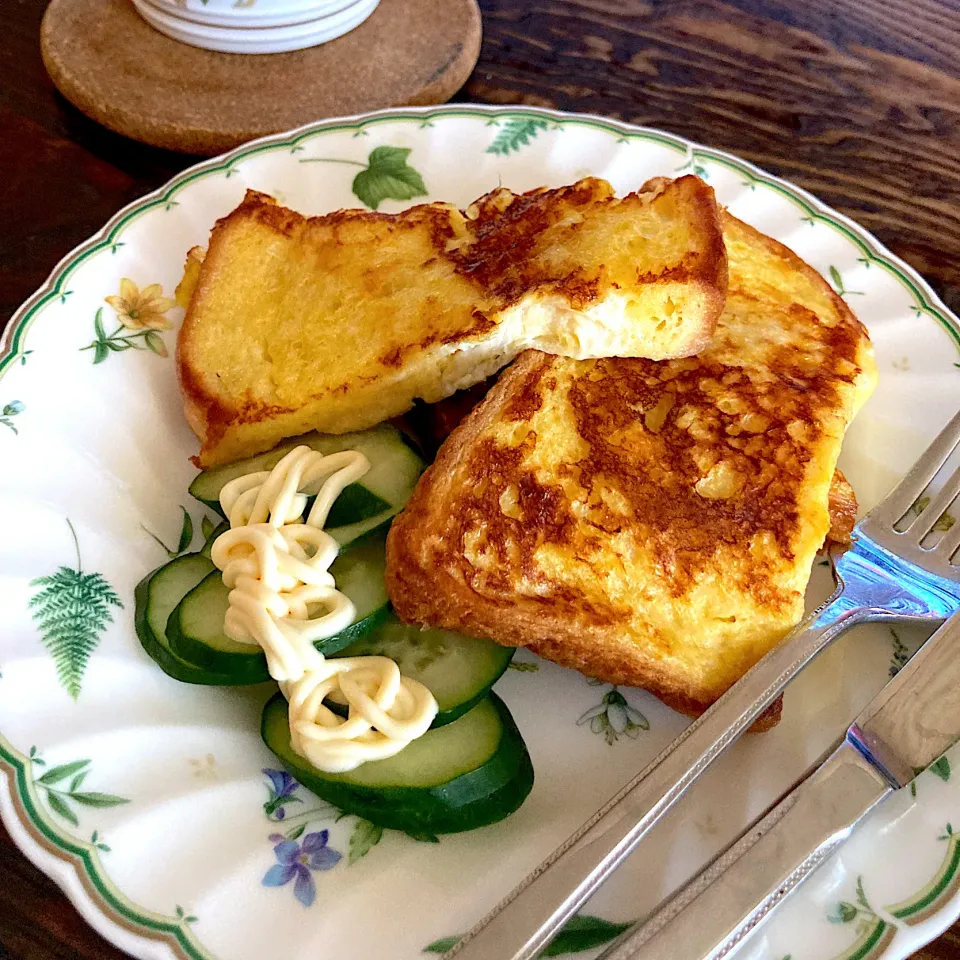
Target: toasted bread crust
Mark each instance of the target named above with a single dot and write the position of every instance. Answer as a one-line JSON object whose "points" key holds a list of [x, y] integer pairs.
{"points": [[285, 328], [842, 507], [649, 524]]}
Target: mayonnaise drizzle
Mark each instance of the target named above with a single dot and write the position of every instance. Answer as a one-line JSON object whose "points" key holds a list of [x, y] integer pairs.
{"points": [[387, 711], [283, 598]]}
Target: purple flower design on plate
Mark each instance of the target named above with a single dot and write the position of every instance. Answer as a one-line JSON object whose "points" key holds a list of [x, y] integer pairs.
{"points": [[295, 861], [282, 790]]}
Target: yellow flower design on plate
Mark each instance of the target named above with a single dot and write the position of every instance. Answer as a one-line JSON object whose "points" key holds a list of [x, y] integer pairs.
{"points": [[140, 314], [141, 310]]}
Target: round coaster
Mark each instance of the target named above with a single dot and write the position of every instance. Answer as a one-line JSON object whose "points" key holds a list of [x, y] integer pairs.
{"points": [[107, 61]]}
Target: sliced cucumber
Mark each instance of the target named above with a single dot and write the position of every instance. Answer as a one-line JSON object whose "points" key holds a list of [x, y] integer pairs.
{"points": [[155, 598], [358, 572], [354, 505], [195, 627], [470, 773], [195, 632], [457, 670], [222, 527], [394, 471]]}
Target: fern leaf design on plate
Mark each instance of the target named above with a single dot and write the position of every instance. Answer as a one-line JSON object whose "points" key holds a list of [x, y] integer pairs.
{"points": [[72, 609], [516, 133]]}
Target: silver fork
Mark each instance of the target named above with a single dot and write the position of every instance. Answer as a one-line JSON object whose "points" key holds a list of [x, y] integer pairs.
{"points": [[886, 575]]}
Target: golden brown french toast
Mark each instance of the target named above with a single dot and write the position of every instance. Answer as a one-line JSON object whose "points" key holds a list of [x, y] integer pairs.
{"points": [[842, 510], [435, 422], [338, 322], [651, 524]]}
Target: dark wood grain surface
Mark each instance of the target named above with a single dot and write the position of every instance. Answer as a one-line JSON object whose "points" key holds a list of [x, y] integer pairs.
{"points": [[858, 101]]}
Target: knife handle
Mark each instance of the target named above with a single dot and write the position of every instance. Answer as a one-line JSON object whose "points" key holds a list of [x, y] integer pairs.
{"points": [[711, 915]]}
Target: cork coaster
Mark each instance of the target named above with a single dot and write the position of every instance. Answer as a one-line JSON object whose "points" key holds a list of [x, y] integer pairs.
{"points": [[107, 61]]}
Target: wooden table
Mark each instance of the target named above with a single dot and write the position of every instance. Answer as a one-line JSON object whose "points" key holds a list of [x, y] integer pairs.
{"points": [[858, 101]]}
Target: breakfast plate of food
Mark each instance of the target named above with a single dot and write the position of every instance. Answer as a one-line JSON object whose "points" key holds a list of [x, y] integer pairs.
{"points": [[382, 496]]}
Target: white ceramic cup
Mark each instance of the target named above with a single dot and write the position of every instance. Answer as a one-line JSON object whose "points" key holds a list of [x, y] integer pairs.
{"points": [[251, 13], [251, 38]]}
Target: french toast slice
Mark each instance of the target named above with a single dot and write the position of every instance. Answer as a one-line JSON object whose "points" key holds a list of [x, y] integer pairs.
{"points": [[339, 322], [649, 524], [436, 421]]}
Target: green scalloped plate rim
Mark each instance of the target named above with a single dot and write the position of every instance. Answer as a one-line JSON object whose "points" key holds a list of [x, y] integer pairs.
{"points": [[91, 891]]}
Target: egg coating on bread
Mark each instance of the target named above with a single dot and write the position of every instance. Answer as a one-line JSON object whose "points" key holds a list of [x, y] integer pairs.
{"points": [[648, 523], [336, 323]]}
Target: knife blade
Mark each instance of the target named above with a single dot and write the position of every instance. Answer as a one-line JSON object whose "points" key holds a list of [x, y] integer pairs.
{"points": [[904, 729]]}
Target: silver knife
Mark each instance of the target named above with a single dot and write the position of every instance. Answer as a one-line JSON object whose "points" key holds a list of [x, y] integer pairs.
{"points": [[904, 729]]}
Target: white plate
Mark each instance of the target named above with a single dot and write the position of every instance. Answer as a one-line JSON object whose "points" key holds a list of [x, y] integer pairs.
{"points": [[177, 869]]}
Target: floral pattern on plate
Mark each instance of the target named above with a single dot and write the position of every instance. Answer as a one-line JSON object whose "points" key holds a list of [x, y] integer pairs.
{"points": [[199, 839], [140, 315], [297, 861], [61, 786], [72, 609]]}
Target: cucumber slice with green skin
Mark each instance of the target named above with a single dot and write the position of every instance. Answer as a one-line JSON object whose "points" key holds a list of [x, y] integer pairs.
{"points": [[222, 527], [195, 633], [470, 773], [155, 597], [459, 671], [358, 572], [195, 627], [354, 505], [393, 474]]}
